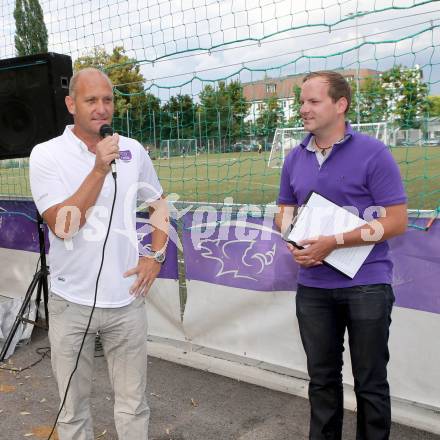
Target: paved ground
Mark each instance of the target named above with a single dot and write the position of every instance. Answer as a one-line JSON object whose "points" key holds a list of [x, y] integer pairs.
{"points": [[186, 404]]}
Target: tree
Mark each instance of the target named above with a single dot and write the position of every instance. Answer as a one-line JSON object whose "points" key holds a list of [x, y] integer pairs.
{"points": [[434, 105], [239, 108], [398, 95], [211, 105], [271, 117], [295, 120], [177, 118], [150, 120], [135, 110], [30, 29], [405, 95], [372, 102], [222, 111]]}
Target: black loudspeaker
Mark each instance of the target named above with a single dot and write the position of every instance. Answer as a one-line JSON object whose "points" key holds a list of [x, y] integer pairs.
{"points": [[32, 107]]}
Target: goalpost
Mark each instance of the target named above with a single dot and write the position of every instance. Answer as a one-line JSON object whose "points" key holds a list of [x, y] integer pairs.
{"points": [[285, 139], [379, 130], [177, 147]]}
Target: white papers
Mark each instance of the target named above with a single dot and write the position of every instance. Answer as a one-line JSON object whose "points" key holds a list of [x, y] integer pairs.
{"points": [[322, 217]]}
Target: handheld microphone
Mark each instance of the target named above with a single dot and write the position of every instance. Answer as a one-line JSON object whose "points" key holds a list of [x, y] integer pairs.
{"points": [[105, 131]]}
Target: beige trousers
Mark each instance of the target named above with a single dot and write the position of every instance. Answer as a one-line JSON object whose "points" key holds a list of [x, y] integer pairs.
{"points": [[124, 339]]}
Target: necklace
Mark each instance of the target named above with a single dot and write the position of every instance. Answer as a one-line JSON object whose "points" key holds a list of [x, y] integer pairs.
{"points": [[322, 150]]}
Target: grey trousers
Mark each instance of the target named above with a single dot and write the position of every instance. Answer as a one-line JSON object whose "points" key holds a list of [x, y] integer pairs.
{"points": [[124, 339]]}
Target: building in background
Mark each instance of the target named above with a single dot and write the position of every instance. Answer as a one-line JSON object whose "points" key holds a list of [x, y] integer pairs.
{"points": [[259, 92]]}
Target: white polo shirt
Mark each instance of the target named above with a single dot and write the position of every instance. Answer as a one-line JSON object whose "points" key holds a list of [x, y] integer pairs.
{"points": [[57, 169]]}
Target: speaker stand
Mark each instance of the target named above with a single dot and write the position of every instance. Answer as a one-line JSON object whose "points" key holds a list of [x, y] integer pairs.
{"points": [[39, 281]]}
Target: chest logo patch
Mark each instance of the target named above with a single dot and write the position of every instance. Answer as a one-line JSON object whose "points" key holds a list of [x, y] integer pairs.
{"points": [[125, 155]]}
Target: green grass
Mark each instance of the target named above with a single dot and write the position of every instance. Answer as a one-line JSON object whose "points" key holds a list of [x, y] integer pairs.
{"points": [[14, 181], [420, 169], [245, 177]]}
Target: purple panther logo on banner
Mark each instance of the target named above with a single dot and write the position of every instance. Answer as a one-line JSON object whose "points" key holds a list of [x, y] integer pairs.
{"points": [[237, 257], [241, 254]]}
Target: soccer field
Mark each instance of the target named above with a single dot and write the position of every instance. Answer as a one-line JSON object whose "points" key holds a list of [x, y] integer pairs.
{"points": [[246, 178]]}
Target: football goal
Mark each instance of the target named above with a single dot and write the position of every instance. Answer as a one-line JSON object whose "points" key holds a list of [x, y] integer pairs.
{"points": [[285, 139], [177, 147]]}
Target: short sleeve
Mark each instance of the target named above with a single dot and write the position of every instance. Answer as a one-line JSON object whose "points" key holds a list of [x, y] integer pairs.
{"points": [[384, 180], [150, 188], [286, 195], [46, 186]]}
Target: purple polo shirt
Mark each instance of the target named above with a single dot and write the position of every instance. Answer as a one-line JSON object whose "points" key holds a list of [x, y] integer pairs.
{"points": [[359, 172]]}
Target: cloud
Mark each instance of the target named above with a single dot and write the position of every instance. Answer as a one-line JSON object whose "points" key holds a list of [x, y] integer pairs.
{"points": [[324, 36]]}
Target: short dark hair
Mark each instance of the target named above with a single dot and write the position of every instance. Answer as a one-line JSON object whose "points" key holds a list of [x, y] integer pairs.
{"points": [[338, 85]]}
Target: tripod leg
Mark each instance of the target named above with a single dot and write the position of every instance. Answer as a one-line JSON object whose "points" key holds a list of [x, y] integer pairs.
{"points": [[42, 286], [38, 297], [45, 297], [19, 316], [44, 269]]}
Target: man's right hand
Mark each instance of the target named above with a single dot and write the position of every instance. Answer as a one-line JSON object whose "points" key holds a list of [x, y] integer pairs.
{"points": [[106, 151]]}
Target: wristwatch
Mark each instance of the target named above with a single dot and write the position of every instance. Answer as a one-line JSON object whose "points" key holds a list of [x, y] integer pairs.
{"points": [[158, 256]]}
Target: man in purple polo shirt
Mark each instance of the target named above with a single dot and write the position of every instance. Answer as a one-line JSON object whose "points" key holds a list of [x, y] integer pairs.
{"points": [[352, 170]]}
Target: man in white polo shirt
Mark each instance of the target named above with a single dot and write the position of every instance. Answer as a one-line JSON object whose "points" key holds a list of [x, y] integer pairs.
{"points": [[74, 191]]}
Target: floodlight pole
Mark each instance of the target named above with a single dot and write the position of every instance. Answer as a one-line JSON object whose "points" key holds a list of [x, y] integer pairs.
{"points": [[128, 124], [358, 114], [178, 135], [200, 132], [219, 132], [154, 130], [356, 27]]}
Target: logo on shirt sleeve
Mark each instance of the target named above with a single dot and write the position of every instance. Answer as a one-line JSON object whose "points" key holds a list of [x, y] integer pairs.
{"points": [[125, 155]]}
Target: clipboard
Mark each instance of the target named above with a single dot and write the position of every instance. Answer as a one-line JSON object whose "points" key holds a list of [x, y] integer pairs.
{"points": [[320, 216]]}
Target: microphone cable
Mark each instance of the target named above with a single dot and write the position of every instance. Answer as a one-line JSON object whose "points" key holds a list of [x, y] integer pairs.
{"points": [[91, 313]]}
